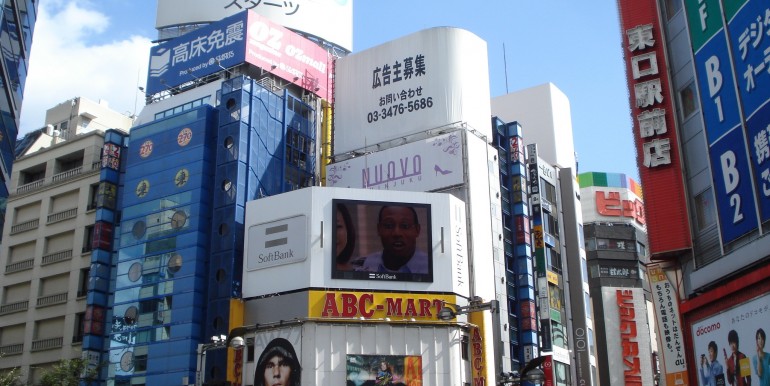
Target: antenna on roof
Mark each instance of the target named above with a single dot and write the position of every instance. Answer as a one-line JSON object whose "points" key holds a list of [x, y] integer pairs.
{"points": [[505, 68]]}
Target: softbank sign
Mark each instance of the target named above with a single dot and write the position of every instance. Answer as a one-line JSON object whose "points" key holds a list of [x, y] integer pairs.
{"points": [[425, 80], [277, 243], [243, 37]]}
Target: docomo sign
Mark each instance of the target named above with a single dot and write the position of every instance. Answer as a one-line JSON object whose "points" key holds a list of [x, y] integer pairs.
{"points": [[373, 305], [632, 372], [609, 204], [287, 55]]}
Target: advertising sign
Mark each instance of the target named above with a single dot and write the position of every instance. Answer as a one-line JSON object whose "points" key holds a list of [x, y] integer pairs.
{"points": [[376, 305], [668, 324], [313, 17], [243, 37], [654, 127], [382, 241], [420, 166], [197, 54], [628, 335], [277, 243], [423, 81], [730, 61], [730, 346], [384, 370], [278, 354]]}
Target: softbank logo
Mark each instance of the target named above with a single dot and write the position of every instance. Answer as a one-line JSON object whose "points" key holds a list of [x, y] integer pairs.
{"points": [[159, 62], [277, 243]]}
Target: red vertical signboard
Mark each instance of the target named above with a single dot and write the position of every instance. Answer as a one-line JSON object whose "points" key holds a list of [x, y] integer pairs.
{"points": [[657, 147]]}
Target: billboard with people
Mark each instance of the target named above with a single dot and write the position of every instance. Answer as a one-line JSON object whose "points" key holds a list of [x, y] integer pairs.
{"points": [[730, 347], [382, 241]]}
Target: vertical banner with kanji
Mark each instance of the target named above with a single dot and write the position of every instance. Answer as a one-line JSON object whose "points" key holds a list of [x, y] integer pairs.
{"points": [[669, 326]]}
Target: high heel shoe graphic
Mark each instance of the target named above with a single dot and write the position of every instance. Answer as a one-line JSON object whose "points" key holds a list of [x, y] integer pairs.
{"points": [[442, 171]]}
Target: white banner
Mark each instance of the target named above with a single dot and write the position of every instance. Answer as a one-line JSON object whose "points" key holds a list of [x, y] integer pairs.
{"points": [[669, 326], [628, 335]]}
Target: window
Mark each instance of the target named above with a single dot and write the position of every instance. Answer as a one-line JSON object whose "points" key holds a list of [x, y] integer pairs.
{"points": [[688, 103], [705, 215], [85, 273], [88, 237], [77, 335], [93, 192]]}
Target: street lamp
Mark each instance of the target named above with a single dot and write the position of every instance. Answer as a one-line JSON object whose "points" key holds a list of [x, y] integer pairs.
{"points": [[531, 373], [449, 311], [217, 342]]}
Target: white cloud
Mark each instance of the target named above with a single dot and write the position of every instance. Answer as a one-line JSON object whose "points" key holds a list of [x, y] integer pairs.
{"points": [[63, 65]]}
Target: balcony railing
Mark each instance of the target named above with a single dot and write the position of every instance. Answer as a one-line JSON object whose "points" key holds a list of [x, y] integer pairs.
{"points": [[63, 215], [52, 299], [22, 265], [25, 226], [12, 349], [47, 344], [14, 307], [56, 257], [67, 174], [30, 186]]}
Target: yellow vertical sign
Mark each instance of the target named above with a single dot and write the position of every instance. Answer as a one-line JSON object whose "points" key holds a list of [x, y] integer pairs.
{"points": [[479, 372]]}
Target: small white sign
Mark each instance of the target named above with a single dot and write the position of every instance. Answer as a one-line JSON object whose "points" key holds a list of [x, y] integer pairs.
{"points": [[277, 243]]}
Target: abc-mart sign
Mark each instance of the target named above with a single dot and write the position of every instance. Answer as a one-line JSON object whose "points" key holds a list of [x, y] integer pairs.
{"points": [[242, 38]]}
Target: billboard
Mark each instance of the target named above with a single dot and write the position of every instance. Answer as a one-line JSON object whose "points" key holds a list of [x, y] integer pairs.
{"points": [[727, 345], [243, 37], [402, 370], [278, 354], [669, 326], [611, 197], [382, 241], [628, 335], [733, 84], [419, 166], [657, 146], [367, 306], [309, 16], [422, 81], [292, 242]]}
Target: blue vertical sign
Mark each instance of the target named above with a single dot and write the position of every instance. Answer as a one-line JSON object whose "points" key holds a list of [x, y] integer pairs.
{"points": [[731, 171], [749, 29]]}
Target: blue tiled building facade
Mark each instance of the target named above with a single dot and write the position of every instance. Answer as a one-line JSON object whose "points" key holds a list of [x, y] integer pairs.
{"points": [[179, 246], [520, 287]]}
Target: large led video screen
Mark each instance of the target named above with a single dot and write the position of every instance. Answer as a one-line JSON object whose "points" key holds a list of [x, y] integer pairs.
{"points": [[375, 240]]}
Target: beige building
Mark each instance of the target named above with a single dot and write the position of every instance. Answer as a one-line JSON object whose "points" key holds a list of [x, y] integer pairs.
{"points": [[46, 251]]}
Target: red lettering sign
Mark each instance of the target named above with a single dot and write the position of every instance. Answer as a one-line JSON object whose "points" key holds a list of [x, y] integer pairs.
{"points": [[632, 365], [609, 204]]}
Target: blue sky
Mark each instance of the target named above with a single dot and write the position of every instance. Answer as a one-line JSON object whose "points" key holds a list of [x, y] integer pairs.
{"points": [[98, 49]]}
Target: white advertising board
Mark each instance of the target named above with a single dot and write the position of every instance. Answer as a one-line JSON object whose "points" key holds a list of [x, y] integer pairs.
{"points": [[420, 166], [330, 20], [610, 204], [422, 81], [307, 216], [628, 335]]}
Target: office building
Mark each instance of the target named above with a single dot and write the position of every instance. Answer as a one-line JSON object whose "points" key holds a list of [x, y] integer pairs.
{"points": [[555, 231], [616, 250], [18, 20], [233, 124], [699, 86]]}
